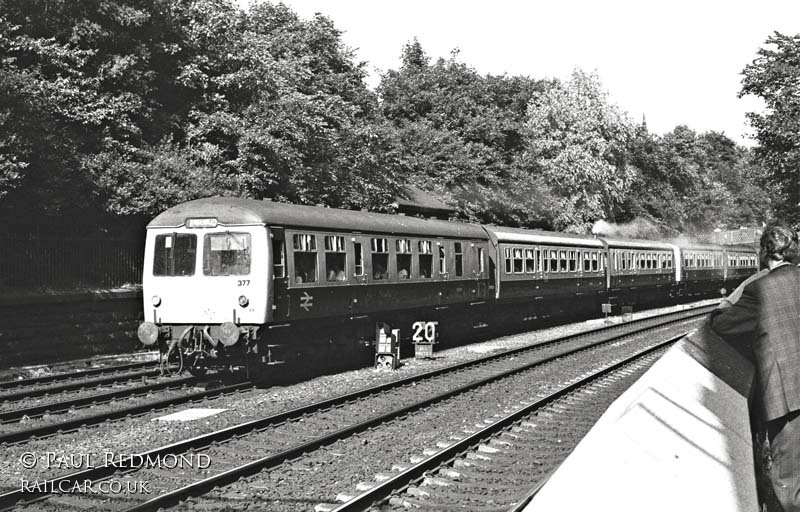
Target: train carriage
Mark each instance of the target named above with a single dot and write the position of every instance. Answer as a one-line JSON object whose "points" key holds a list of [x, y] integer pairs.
{"points": [[241, 282], [703, 270], [642, 272], [542, 274], [740, 261], [232, 281]]}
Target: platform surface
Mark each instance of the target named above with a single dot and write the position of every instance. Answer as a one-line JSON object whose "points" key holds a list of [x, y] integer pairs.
{"points": [[677, 440]]}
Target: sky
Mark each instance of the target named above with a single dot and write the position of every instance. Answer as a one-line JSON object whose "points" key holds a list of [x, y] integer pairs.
{"points": [[675, 62]]}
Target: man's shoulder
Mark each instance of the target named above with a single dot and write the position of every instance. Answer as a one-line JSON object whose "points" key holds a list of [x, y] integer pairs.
{"points": [[785, 275]]}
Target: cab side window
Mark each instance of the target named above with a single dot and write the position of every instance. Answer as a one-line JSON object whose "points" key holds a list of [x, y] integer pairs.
{"points": [[278, 259], [305, 258]]}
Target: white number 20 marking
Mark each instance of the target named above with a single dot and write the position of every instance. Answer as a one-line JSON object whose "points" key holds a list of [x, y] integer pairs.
{"points": [[424, 331]]}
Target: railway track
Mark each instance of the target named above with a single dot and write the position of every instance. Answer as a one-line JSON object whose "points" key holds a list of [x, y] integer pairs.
{"points": [[519, 451], [82, 374], [145, 407], [82, 384], [291, 434]]}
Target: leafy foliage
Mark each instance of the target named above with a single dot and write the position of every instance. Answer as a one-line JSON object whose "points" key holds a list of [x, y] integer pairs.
{"points": [[577, 142], [462, 134], [118, 108], [774, 76]]}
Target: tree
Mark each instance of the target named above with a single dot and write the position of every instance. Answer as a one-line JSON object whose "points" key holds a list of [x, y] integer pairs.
{"points": [[774, 76], [461, 135], [130, 106], [577, 146]]}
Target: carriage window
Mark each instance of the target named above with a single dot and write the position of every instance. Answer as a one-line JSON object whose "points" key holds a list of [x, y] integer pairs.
{"points": [[305, 258], [380, 259], [603, 258], [226, 254], [553, 261], [481, 264], [563, 258], [442, 261], [587, 261], [358, 254], [335, 258], [649, 262], [530, 263], [509, 263], [175, 255], [459, 259], [278, 259], [538, 260], [572, 261], [518, 265], [403, 251], [594, 262], [425, 259]]}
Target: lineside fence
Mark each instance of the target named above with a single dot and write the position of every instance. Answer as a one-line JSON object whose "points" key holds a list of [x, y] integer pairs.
{"points": [[39, 263]]}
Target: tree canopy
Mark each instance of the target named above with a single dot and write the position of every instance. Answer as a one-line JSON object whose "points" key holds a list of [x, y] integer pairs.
{"points": [[119, 108], [774, 76]]}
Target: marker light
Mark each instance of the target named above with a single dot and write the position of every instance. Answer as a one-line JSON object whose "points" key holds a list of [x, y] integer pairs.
{"points": [[147, 333], [228, 333], [202, 222], [243, 301], [156, 300]]}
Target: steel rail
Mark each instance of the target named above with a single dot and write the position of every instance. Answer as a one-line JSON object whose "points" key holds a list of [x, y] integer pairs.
{"points": [[232, 475], [56, 407], [105, 471], [10, 384], [382, 490], [33, 393], [68, 426]]}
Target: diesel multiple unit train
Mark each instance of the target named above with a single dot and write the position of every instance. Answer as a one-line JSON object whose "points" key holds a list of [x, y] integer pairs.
{"points": [[241, 282]]}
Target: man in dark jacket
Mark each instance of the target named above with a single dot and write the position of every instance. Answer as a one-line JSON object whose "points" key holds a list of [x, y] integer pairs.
{"points": [[768, 313]]}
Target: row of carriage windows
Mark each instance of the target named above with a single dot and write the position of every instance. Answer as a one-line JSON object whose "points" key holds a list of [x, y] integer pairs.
{"points": [[741, 259], [702, 259], [642, 260], [520, 260], [715, 260], [229, 253], [305, 259]]}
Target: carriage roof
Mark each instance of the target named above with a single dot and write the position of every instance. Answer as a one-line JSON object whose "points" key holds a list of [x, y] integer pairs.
{"points": [[230, 211], [505, 234]]}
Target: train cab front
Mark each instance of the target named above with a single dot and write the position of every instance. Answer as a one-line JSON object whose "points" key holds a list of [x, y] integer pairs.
{"points": [[207, 291]]}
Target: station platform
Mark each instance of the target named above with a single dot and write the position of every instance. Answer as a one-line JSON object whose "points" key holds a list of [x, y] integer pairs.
{"points": [[677, 440]]}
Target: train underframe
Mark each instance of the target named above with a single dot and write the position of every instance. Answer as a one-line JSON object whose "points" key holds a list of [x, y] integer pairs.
{"points": [[337, 343]]}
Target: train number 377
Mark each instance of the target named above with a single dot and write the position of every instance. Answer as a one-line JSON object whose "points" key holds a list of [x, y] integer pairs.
{"points": [[424, 331]]}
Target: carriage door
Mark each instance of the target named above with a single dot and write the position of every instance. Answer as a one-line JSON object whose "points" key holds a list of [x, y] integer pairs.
{"points": [[480, 267], [280, 304]]}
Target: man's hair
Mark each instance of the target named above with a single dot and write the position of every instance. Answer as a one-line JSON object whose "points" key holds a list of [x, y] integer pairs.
{"points": [[779, 242]]}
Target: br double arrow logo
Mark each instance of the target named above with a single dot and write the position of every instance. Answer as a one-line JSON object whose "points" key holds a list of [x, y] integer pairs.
{"points": [[307, 301]]}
